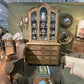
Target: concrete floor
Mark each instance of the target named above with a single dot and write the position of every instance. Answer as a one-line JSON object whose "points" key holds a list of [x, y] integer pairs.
{"points": [[4, 79], [28, 73], [30, 70]]}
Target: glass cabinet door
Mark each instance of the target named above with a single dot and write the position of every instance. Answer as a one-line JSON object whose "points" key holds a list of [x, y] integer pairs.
{"points": [[34, 25], [52, 25], [43, 24]]}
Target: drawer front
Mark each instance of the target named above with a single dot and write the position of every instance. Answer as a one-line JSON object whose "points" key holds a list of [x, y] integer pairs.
{"points": [[43, 53], [33, 47], [43, 62], [80, 43], [54, 58]]}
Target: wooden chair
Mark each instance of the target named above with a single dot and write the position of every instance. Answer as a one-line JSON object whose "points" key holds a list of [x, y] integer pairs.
{"points": [[14, 65]]}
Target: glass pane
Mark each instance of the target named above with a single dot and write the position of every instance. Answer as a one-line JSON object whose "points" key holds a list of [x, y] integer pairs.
{"points": [[41, 36], [52, 36], [43, 24], [34, 25], [34, 30], [43, 30], [33, 16], [52, 25], [52, 30], [34, 36], [52, 16], [43, 14], [45, 37]]}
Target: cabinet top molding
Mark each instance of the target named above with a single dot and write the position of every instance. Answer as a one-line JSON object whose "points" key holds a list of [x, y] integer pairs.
{"points": [[46, 6]]}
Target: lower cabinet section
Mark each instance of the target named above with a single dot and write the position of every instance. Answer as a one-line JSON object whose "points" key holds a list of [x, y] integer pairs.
{"points": [[43, 58], [42, 54]]}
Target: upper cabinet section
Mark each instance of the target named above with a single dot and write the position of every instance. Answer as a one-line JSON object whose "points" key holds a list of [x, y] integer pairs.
{"points": [[43, 23]]}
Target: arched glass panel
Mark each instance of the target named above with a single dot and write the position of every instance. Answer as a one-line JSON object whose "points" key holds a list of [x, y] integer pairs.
{"points": [[34, 25], [52, 25], [43, 24]]}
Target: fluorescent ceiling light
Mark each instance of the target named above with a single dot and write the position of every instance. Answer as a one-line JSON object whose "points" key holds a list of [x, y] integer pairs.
{"points": [[0, 19], [0, 9]]}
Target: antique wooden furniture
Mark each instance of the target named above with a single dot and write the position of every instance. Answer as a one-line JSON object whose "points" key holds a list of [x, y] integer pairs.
{"points": [[42, 47], [37, 80], [78, 45], [9, 47], [13, 65], [42, 53], [17, 66]]}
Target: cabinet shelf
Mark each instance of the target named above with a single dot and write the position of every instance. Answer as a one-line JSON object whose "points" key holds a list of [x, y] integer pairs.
{"points": [[52, 27], [43, 33], [52, 20], [43, 20], [52, 33], [34, 33], [34, 27], [43, 27], [33, 20]]}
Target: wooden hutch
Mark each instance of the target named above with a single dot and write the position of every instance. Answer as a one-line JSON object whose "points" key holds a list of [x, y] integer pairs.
{"points": [[42, 47]]}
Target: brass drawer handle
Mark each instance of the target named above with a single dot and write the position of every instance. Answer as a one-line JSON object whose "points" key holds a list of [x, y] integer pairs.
{"points": [[42, 57], [43, 52], [42, 62], [42, 47]]}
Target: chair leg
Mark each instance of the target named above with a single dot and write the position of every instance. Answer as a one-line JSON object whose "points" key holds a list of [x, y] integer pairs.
{"points": [[60, 82], [11, 78], [23, 69]]}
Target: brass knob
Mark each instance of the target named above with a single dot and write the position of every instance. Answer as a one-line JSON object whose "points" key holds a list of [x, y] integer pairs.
{"points": [[42, 47], [42, 52], [42, 57]]}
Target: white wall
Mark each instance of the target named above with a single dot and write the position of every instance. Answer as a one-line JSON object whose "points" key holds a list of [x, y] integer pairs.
{"points": [[79, 0], [70, 0]]}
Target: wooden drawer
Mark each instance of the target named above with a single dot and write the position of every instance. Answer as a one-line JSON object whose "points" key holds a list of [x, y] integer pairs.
{"points": [[42, 53], [79, 43], [41, 47], [43, 62], [43, 58]]}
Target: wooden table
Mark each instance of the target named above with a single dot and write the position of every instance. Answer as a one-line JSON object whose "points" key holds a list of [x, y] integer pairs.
{"points": [[37, 80]]}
